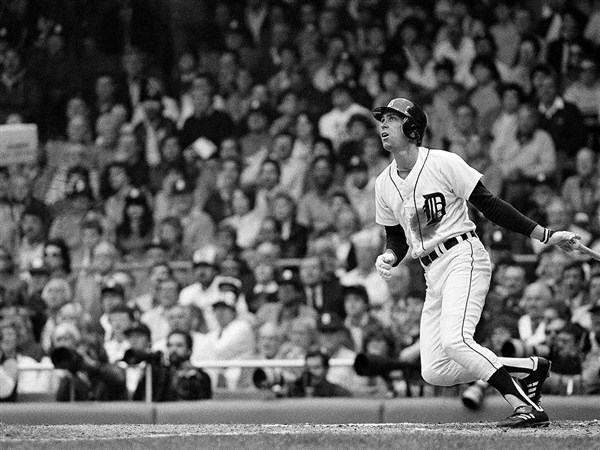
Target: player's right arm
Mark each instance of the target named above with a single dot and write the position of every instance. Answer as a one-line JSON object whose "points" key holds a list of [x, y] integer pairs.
{"points": [[396, 246], [395, 251]]}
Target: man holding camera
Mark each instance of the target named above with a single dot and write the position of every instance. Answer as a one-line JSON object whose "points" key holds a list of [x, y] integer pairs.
{"points": [[92, 377], [313, 382], [186, 382]]}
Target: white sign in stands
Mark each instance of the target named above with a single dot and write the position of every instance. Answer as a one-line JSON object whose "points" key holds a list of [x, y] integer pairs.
{"points": [[18, 144]]}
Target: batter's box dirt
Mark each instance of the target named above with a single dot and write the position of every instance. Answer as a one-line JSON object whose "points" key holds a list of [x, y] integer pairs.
{"points": [[558, 436]]}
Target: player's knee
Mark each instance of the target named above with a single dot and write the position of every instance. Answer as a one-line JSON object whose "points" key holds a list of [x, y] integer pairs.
{"points": [[435, 377], [453, 345]]}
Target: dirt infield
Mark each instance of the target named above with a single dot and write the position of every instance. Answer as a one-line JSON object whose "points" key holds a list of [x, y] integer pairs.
{"points": [[559, 436]]}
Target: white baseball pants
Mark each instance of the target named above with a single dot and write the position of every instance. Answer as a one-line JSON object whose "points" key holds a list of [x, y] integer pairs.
{"points": [[457, 284]]}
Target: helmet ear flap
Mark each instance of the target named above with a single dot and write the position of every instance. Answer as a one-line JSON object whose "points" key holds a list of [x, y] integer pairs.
{"points": [[409, 128]]}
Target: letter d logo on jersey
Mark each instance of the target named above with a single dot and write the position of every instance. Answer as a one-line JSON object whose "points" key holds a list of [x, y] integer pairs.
{"points": [[435, 207]]}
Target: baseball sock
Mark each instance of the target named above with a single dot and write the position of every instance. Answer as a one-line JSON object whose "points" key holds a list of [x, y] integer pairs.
{"points": [[510, 389], [519, 367]]}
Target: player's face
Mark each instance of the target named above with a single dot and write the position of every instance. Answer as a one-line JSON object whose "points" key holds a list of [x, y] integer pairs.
{"points": [[392, 136]]}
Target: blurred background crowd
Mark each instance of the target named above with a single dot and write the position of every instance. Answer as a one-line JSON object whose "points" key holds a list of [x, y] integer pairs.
{"points": [[205, 181]]}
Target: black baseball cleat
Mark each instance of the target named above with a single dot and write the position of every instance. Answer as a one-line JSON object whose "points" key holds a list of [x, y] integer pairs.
{"points": [[532, 384], [525, 417]]}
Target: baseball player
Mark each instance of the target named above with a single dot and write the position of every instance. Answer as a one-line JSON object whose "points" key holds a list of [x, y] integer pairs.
{"points": [[421, 200]]}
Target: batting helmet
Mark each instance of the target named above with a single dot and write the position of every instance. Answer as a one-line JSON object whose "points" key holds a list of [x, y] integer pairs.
{"points": [[416, 120]]}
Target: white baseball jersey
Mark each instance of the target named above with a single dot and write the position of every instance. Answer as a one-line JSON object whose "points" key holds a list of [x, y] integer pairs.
{"points": [[430, 203]]}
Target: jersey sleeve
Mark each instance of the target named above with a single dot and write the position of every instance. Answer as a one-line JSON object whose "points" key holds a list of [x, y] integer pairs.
{"points": [[461, 177], [383, 213]]}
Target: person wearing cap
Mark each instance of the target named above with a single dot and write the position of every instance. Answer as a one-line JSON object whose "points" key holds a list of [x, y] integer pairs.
{"points": [[358, 319], [333, 124], [290, 306], [234, 338], [204, 290], [336, 341], [112, 295]]}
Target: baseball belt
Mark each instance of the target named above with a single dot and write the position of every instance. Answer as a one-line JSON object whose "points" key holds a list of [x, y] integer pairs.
{"points": [[448, 244]]}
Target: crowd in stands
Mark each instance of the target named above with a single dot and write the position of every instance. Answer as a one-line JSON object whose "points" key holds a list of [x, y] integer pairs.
{"points": [[204, 187]]}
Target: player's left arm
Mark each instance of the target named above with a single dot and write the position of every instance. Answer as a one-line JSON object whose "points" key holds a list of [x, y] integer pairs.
{"points": [[504, 214]]}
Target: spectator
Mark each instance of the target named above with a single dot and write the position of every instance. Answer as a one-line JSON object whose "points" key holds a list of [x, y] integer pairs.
{"points": [[167, 294], [358, 319], [19, 92], [315, 205], [120, 319], [138, 359], [265, 286], [206, 122], [87, 287], [136, 230], [34, 225], [92, 377], [234, 338], [323, 293], [293, 168], [484, 95], [56, 293], [112, 295], [360, 188], [169, 234], [537, 297], [267, 185], [335, 341], [591, 349], [529, 157], [560, 213], [581, 189], [584, 93], [314, 382], [563, 121], [256, 142], [290, 306], [218, 204], [527, 57], [505, 126], [186, 381], [9, 366], [157, 271], [567, 360], [246, 218], [293, 236], [333, 124]]}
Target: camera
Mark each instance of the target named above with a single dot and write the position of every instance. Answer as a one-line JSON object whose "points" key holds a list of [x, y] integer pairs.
{"points": [[275, 379], [133, 357], [66, 359]]}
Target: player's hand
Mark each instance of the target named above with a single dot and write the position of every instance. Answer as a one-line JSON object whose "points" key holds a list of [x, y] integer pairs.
{"points": [[565, 240], [384, 264]]}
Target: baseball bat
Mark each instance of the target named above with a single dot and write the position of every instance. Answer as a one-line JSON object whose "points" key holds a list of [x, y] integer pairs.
{"points": [[588, 251]]}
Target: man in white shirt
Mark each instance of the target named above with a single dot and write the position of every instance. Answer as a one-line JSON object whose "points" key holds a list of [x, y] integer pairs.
{"points": [[333, 124], [167, 294], [233, 340]]}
